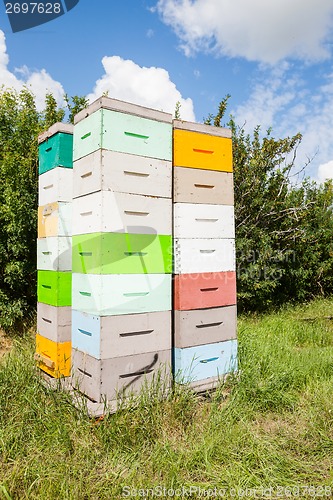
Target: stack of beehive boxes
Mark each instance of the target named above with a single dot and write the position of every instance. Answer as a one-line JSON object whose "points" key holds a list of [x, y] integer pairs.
{"points": [[54, 254], [122, 247], [205, 345]]}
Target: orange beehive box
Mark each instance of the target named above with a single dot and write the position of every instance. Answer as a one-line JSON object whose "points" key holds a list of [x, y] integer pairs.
{"points": [[204, 290]]}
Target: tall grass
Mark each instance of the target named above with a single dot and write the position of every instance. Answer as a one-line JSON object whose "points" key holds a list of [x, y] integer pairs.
{"points": [[269, 426]]}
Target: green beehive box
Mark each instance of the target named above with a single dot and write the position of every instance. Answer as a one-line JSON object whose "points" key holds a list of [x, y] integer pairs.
{"points": [[54, 288], [56, 151], [123, 127], [122, 253]]}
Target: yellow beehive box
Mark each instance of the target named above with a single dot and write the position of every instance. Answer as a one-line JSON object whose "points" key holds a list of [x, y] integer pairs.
{"points": [[202, 146], [55, 219], [53, 358]]}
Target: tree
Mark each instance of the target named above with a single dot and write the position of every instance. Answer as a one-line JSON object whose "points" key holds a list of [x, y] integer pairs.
{"points": [[283, 229], [177, 110], [20, 125], [52, 114], [74, 105]]}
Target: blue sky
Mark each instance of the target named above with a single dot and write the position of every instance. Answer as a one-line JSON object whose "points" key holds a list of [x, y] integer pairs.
{"points": [[273, 56]]}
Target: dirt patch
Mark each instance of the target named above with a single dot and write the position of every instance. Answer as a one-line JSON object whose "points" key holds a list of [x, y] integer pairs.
{"points": [[5, 343]]}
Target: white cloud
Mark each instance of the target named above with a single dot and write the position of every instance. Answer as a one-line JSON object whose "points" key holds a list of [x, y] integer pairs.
{"points": [[263, 106], [4, 59], [7, 79], [325, 171], [281, 99], [39, 82], [151, 87], [272, 93], [258, 30]]}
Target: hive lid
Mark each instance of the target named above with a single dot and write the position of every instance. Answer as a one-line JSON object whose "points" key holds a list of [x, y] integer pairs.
{"points": [[203, 129], [65, 128], [123, 107]]}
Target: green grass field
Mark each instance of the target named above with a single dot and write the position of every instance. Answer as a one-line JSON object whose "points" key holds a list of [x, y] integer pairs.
{"points": [[272, 426]]}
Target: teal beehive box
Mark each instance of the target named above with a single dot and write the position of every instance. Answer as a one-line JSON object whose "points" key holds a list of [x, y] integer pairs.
{"points": [[56, 147]]}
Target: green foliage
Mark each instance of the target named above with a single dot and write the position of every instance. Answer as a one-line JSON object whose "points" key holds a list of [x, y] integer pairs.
{"points": [[221, 111], [74, 105], [52, 114], [20, 125], [177, 110], [283, 229]]}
